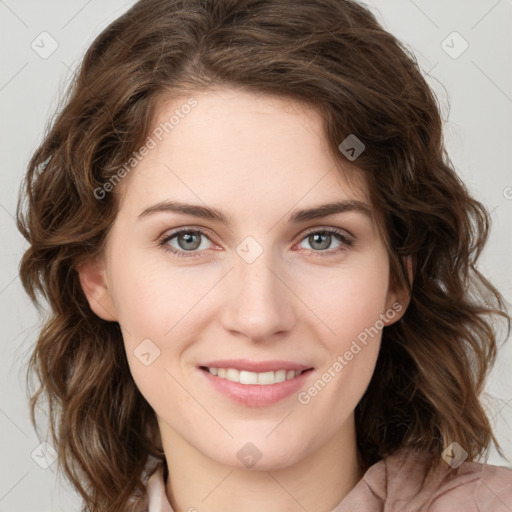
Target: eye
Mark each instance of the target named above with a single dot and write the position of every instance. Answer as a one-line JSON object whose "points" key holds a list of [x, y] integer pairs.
{"points": [[187, 240], [191, 241], [321, 240]]}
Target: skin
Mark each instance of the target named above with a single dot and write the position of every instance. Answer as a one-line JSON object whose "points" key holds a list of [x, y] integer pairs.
{"points": [[256, 158]]}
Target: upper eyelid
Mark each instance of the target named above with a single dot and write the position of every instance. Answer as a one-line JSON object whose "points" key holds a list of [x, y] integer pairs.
{"points": [[333, 229]]}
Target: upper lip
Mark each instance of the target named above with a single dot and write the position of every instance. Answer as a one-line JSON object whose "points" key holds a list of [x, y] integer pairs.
{"points": [[256, 366]]}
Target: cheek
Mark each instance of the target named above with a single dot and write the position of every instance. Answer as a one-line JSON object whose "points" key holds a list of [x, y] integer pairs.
{"points": [[157, 306], [152, 296], [349, 304], [351, 308], [347, 299]]}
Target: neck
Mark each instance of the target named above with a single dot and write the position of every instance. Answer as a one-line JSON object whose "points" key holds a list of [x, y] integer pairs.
{"points": [[318, 481]]}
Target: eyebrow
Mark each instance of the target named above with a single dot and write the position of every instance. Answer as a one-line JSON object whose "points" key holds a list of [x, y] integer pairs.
{"points": [[296, 217]]}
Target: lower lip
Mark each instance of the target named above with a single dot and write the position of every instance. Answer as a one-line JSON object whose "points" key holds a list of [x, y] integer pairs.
{"points": [[257, 395]]}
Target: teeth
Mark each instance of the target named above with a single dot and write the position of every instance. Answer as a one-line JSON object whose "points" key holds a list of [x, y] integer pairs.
{"points": [[244, 377], [280, 375], [232, 375]]}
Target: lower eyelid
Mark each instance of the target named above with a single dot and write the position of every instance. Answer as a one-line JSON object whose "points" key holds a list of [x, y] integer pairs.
{"points": [[345, 241]]}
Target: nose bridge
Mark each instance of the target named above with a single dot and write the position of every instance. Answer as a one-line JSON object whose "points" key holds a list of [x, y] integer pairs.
{"points": [[260, 304]]}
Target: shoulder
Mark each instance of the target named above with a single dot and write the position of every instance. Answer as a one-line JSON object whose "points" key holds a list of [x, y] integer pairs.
{"points": [[472, 487], [475, 487]]}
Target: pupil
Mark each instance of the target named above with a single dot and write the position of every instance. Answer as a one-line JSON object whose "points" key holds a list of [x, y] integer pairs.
{"points": [[189, 239], [323, 245]]}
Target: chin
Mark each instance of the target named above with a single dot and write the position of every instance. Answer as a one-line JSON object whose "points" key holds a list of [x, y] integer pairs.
{"points": [[263, 454]]}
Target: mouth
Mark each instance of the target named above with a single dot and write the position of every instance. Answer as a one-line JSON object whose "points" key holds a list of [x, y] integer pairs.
{"points": [[257, 389], [246, 377]]}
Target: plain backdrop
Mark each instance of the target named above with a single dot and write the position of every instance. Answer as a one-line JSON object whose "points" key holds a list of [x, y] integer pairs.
{"points": [[471, 69]]}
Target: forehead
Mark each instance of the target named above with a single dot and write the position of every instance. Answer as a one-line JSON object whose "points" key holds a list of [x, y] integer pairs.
{"points": [[236, 148]]}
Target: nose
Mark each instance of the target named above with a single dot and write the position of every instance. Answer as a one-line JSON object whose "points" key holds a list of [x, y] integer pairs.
{"points": [[259, 302]]}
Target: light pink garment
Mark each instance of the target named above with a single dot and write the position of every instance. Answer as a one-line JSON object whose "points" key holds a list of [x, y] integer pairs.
{"points": [[397, 484]]}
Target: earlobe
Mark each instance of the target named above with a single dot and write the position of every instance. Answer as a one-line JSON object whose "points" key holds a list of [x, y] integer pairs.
{"points": [[398, 301], [409, 269], [94, 284]]}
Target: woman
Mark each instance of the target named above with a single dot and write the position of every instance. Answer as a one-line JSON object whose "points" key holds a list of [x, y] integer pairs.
{"points": [[261, 270]]}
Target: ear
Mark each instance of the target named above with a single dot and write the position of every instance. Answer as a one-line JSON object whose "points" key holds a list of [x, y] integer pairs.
{"points": [[398, 299], [92, 275]]}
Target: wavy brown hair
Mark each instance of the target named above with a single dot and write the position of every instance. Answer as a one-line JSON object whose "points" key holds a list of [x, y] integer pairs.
{"points": [[336, 57]]}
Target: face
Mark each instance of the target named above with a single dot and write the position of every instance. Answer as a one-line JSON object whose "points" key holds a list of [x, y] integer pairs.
{"points": [[247, 270]]}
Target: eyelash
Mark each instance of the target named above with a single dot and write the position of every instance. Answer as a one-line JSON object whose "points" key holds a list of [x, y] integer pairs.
{"points": [[346, 242]]}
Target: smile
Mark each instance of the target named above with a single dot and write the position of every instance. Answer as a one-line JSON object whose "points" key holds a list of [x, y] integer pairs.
{"points": [[260, 388], [246, 377]]}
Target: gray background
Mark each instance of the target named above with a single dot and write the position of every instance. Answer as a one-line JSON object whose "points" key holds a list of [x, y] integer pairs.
{"points": [[477, 83]]}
